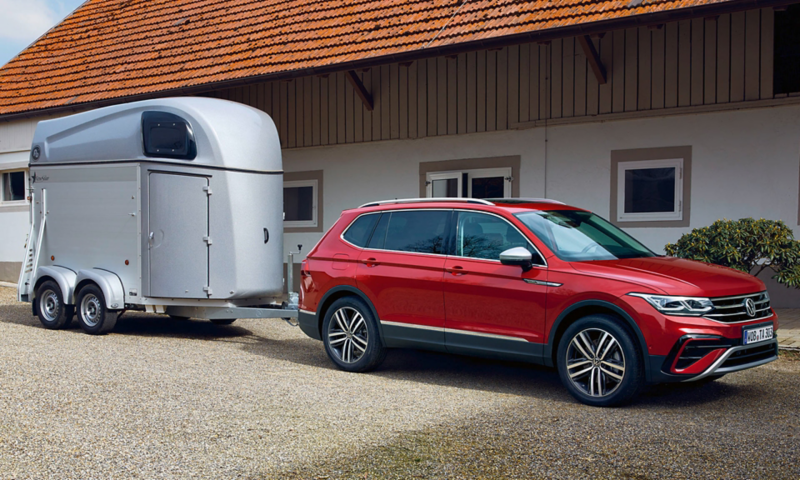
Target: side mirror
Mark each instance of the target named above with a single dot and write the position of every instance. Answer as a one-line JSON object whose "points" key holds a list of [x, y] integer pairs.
{"points": [[519, 256]]}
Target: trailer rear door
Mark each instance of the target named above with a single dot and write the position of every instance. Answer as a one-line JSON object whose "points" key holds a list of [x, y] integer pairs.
{"points": [[178, 231]]}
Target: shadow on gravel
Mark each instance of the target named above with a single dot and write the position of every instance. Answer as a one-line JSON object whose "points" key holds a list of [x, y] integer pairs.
{"points": [[140, 324]]}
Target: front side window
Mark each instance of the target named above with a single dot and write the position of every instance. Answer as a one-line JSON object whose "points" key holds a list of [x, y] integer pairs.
{"points": [[650, 190], [582, 236], [13, 186], [479, 235], [300, 203], [421, 231]]}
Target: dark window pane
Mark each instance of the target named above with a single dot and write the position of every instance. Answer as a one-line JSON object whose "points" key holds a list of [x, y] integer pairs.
{"points": [[359, 232], [488, 187], [419, 231], [13, 186], [379, 236], [298, 204], [445, 188], [167, 135], [486, 236], [787, 50], [650, 190]]}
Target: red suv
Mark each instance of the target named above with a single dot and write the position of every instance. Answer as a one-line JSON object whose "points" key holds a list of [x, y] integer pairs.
{"points": [[532, 280]]}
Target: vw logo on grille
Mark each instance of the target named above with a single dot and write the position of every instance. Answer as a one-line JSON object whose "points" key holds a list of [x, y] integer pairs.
{"points": [[750, 305]]}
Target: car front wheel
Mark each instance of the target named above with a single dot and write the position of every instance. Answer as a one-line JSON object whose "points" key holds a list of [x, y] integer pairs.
{"points": [[599, 362]]}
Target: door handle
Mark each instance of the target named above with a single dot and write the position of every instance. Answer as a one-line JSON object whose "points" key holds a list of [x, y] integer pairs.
{"points": [[456, 270], [370, 262]]}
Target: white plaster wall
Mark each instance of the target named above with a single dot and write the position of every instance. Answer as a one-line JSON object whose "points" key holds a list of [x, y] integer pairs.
{"points": [[744, 163]]}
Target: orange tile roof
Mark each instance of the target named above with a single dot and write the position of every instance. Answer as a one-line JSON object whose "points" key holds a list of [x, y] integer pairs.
{"points": [[108, 49]]}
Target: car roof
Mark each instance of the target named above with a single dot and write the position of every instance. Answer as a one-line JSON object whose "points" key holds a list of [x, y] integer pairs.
{"points": [[512, 205]]}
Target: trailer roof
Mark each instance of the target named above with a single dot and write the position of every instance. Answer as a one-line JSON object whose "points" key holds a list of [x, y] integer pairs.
{"points": [[228, 135]]}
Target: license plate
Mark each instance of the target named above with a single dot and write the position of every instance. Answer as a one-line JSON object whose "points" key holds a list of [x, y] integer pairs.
{"points": [[755, 335]]}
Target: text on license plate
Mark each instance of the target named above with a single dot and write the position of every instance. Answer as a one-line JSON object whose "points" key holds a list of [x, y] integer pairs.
{"points": [[755, 335]]}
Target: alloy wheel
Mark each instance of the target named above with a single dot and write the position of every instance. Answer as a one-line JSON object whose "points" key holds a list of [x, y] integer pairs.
{"points": [[595, 362], [347, 335]]}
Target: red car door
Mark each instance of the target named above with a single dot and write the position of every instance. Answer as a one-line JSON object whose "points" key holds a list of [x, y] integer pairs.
{"points": [[401, 271], [491, 308]]}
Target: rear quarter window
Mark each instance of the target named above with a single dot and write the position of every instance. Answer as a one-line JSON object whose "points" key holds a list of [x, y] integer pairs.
{"points": [[358, 232], [422, 231]]}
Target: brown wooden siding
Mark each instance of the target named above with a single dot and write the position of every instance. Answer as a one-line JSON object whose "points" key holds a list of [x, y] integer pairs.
{"points": [[688, 63]]}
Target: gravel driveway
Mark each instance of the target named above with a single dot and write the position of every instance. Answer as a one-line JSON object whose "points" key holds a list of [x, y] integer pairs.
{"points": [[168, 399]]}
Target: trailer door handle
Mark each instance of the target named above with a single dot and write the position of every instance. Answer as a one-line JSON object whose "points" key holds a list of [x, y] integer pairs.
{"points": [[266, 235]]}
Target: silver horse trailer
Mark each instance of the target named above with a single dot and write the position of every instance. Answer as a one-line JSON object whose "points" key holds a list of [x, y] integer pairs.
{"points": [[170, 206]]}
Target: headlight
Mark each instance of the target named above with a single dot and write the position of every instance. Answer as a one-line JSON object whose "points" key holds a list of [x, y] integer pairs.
{"points": [[688, 306]]}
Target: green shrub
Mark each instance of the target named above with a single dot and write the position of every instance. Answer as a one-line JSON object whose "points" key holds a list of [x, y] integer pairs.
{"points": [[748, 245]]}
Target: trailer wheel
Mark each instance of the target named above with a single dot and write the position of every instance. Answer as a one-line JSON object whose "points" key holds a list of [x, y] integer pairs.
{"points": [[226, 321], [51, 309], [95, 318], [350, 335]]}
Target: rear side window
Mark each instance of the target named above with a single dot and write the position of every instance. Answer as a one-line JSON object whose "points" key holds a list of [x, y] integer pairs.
{"points": [[167, 136], [379, 236], [358, 233], [421, 231]]}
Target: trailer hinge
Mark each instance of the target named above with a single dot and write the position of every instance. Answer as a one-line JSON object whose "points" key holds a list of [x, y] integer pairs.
{"points": [[207, 240], [207, 189], [208, 290]]}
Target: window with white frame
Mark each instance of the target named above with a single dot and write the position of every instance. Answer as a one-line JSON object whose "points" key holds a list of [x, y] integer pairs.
{"points": [[300, 203], [14, 187], [477, 183], [650, 190]]}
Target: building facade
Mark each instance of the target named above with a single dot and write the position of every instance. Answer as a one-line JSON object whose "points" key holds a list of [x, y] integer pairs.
{"points": [[660, 128]]}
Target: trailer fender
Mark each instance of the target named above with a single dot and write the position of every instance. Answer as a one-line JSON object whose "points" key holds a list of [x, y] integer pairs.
{"points": [[64, 277], [108, 282]]}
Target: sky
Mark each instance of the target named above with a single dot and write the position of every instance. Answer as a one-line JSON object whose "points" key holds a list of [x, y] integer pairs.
{"points": [[23, 21]]}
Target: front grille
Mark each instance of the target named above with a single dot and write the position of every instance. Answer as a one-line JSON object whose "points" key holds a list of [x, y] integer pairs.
{"points": [[733, 309], [751, 355]]}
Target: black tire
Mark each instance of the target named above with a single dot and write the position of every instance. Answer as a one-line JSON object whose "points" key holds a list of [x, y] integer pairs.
{"points": [[51, 309], [93, 316], [178, 318], [226, 321], [352, 344], [603, 368]]}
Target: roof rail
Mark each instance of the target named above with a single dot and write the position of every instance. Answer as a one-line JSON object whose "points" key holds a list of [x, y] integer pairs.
{"points": [[524, 200], [426, 200]]}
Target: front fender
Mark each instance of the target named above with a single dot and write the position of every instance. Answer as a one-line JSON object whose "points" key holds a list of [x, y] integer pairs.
{"points": [[109, 283]]}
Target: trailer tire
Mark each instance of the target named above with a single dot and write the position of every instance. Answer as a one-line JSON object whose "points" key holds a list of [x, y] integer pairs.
{"points": [[50, 307], [95, 318], [351, 336], [226, 321]]}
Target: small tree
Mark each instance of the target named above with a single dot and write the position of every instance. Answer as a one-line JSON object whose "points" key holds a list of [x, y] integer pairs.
{"points": [[748, 245]]}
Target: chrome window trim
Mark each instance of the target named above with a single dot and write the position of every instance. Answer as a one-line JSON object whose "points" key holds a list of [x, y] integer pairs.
{"points": [[341, 237]]}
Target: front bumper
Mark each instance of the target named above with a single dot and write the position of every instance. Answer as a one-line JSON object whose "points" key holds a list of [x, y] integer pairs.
{"points": [[741, 357]]}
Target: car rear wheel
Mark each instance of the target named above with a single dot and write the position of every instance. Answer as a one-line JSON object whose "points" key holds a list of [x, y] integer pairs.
{"points": [[94, 317], [51, 310], [599, 362], [351, 337]]}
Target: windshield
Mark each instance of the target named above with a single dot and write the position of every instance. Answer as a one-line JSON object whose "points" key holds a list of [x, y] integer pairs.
{"points": [[582, 236]]}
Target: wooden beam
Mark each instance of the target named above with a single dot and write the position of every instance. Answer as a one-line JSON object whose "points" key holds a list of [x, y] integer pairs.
{"points": [[361, 91], [593, 58]]}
